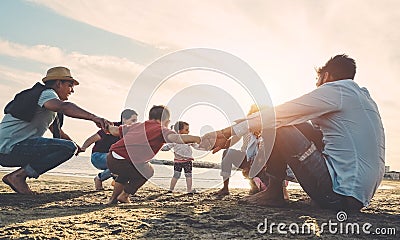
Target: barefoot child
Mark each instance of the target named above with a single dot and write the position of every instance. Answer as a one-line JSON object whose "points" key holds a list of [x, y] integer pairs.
{"points": [[102, 143], [129, 157], [244, 159], [183, 157]]}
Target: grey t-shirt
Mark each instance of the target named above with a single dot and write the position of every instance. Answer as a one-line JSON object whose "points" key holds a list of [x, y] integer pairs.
{"points": [[14, 130]]}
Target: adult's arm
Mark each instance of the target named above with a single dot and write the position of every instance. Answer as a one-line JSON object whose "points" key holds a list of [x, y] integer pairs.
{"points": [[65, 136], [72, 110], [323, 100], [183, 138]]}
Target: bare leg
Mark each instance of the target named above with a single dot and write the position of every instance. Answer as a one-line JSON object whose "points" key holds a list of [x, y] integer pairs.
{"points": [[189, 184], [118, 189], [17, 181], [285, 192], [173, 183], [98, 185], [225, 189]]}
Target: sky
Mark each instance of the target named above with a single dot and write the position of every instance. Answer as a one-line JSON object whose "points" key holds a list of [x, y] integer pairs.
{"points": [[107, 44]]}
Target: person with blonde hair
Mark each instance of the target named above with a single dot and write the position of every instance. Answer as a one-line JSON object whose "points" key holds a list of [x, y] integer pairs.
{"points": [[242, 159]]}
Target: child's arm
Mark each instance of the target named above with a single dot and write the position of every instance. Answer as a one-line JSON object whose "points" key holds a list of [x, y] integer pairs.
{"points": [[114, 130], [197, 147], [92, 139], [167, 147], [183, 138]]}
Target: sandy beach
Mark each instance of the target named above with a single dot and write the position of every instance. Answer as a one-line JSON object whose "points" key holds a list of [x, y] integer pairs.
{"points": [[69, 208]]}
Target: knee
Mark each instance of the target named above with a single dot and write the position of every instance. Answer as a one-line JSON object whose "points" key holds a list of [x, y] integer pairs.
{"points": [[99, 160], [224, 153], [148, 171], [70, 147], [188, 175], [177, 174], [282, 131], [285, 134]]}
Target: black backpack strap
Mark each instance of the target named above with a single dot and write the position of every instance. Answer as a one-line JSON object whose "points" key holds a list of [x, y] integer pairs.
{"points": [[57, 124]]}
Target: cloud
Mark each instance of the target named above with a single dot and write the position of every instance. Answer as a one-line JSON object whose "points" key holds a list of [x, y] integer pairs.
{"points": [[105, 80], [93, 70], [11, 77], [281, 40], [271, 36], [40, 53]]}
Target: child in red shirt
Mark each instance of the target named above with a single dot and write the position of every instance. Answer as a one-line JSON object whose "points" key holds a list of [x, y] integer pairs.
{"points": [[129, 157]]}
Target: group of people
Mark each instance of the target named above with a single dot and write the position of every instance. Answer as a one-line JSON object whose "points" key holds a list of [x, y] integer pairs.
{"points": [[330, 140]]}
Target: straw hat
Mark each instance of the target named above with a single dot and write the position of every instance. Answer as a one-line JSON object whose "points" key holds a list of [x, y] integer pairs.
{"points": [[59, 73]]}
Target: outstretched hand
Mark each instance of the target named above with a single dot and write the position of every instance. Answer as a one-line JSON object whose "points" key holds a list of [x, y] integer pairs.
{"points": [[214, 141], [102, 123], [79, 150]]}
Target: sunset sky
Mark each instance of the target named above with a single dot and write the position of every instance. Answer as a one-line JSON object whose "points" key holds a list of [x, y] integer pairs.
{"points": [[106, 44]]}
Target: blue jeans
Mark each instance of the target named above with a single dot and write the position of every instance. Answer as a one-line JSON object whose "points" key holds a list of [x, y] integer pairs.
{"points": [[300, 147], [39, 155], [99, 161]]}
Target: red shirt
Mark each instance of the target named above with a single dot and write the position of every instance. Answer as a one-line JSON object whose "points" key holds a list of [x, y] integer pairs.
{"points": [[140, 142]]}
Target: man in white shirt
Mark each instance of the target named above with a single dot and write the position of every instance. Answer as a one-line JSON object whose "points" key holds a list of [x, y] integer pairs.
{"points": [[21, 141], [345, 174]]}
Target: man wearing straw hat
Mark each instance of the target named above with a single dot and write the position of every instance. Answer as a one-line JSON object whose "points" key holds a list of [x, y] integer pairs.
{"points": [[28, 117]]}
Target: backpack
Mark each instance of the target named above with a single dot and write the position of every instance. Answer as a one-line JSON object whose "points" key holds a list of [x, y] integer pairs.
{"points": [[23, 107]]}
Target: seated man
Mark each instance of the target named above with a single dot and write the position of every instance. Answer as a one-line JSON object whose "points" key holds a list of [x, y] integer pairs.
{"points": [[345, 174], [28, 117]]}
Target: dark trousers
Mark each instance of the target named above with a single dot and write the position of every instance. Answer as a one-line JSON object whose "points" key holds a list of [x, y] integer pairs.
{"points": [[132, 176], [39, 155], [300, 146]]}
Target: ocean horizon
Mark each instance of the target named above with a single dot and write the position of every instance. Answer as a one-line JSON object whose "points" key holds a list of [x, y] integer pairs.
{"points": [[203, 178]]}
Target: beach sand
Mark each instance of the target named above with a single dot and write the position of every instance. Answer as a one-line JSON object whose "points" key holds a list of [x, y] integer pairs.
{"points": [[69, 208]]}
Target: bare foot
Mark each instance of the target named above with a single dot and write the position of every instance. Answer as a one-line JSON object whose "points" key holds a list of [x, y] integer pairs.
{"points": [[285, 194], [222, 192], [17, 182], [191, 192], [264, 198], [112, 201], [98, 184], [253, 191], [124, 198]]}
